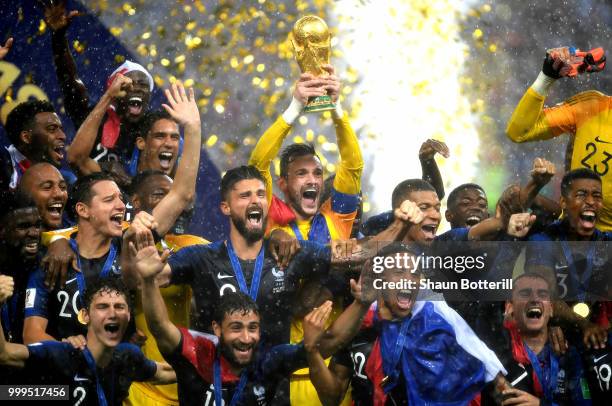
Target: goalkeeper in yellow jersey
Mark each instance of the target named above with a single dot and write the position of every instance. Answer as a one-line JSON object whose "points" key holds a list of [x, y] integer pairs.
{"points": [[301, 214], [586, 117]]}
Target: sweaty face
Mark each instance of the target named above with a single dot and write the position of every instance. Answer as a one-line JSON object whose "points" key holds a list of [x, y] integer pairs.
{"points": [[21, 232], [400, 301], [429, 204], [154, 189], [470, 208], [247, 206], [135, 103], [160, 147], [238, 336], [531, 306], [48, 189], [108, 317], [48, 141], [582, 205], [106, 209], [303, 184]]}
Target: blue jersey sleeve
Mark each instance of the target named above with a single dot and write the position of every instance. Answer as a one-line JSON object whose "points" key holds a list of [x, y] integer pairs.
{"points": [[52, 354], [377, 224], [454, 234], [184, 262], [344, 203], [138, 367], [313, 259], [577, 381], [37, 295], [283, 360]]}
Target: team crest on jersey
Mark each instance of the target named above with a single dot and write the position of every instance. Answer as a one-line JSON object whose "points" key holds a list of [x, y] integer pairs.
{"points": [[260, 394], [279, 280]]}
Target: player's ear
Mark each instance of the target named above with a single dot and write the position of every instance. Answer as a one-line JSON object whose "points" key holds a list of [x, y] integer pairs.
{"points": [[562, 202], [225, 209], [82, 210], [140, 143], [509, 310], [136, 202], [448, 216], [282, 184], [216, 328]]}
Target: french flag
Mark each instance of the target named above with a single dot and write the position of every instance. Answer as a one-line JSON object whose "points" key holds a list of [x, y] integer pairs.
{"points": [[442, 359]]}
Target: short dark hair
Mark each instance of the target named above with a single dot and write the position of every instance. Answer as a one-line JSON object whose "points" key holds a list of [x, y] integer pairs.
{"points": [[233, 302], [404, 188], [80, 192], [571, 176], [23, 117], [294, 151], [139, 180], [12, 201], [451, 201], [150, 118], [107, 285], [236, 175]]}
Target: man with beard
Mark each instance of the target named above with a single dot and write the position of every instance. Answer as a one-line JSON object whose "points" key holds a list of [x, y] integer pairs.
{"points": [[536, 373], [99, 210], [232, 365], [20, 226], [407, 351], [572, 254], [116, 136], [36, 135], [101, 373], [156, 146], [47, 187], [301, 171], [243, 262]]}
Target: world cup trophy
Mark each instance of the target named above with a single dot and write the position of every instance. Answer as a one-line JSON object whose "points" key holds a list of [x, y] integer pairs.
{"points": [[311, 42]]}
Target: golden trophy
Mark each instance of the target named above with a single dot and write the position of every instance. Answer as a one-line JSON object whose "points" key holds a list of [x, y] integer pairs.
{"points": [[311, 42]]}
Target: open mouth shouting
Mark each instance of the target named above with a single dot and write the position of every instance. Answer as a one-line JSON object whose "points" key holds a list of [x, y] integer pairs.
{"points": [[404, 299], [254, 217], [588, 218], [473, 220], [534, 312], [113, 330], [310, 196], [429, 231], [30, 246], [166, 160], [135, 105], [58, 152], [243, 352], [117, 220]]}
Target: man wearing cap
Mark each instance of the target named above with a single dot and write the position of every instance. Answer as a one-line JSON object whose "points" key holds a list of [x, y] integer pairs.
{"points": [[117, 134]]}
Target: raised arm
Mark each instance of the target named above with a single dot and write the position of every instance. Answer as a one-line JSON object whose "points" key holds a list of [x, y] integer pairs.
{"points": [[76, 100], [429, 168], [183, 108], [13, 355], [270, 142], [149, 264], [78, 153], [350, 166]]}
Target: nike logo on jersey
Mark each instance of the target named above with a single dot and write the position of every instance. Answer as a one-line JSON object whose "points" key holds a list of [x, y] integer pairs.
{"points": [[602, 357], [219, 276], [602, 141], [78, 378], [557, 267], [71, 280]]}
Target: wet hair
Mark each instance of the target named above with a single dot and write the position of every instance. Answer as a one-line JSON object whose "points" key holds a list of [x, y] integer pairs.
{"points": [[81, 191], [233, 302], [12, 201], [404, 188], [23, 118], [451, 202], [150, 118], [291, 152], [141, 178], [236, 175], [571, 176], [105, 285]]}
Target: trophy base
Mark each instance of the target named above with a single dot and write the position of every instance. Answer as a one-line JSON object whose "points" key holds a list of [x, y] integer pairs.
{"points": [[319, 103]]}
